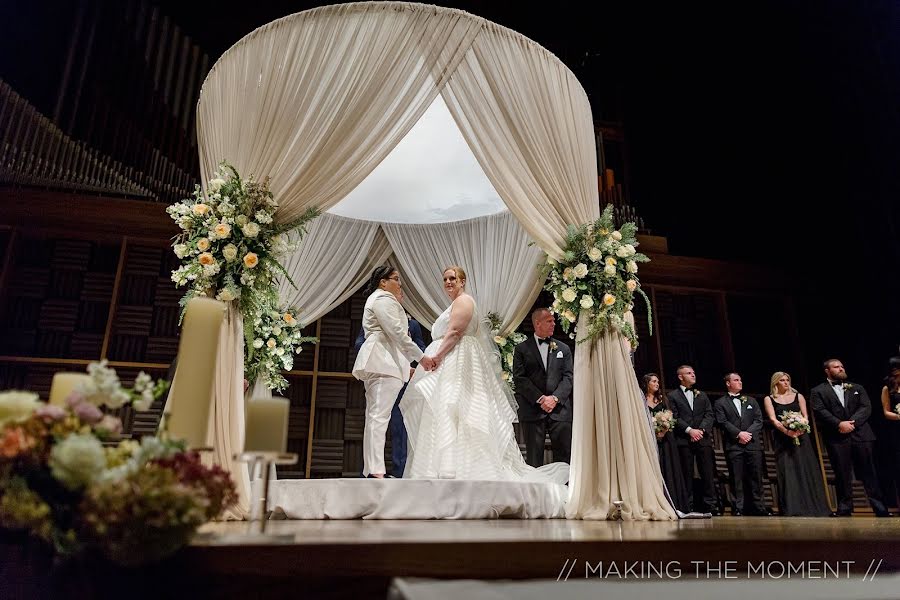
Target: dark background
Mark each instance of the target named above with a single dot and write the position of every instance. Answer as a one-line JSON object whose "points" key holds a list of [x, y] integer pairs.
{"points": [[762, 132]]}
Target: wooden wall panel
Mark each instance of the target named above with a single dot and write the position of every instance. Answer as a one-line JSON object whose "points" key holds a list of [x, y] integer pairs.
{"points": [[690, 334], [57, 297]]}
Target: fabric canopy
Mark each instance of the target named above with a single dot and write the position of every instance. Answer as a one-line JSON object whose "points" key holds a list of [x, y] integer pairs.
{"points": [[318, 99]]}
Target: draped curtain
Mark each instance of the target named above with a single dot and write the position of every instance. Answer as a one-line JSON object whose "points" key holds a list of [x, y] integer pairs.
{"points": [[316, 100]]}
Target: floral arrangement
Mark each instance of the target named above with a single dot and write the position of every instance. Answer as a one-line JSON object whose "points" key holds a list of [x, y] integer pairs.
{"points": [[278, 338], [597, 274], [506, 345], [133, 502], [663, 421], [230, 247], [795, 421]]}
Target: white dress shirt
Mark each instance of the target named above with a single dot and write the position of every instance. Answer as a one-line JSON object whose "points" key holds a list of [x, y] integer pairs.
{"points": [[544, 349], [689, 394], [839, 391]]}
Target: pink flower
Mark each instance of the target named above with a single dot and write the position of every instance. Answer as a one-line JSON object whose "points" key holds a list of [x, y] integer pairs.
{"points": [[111, 424], [14, 442], [51, 412], [88, 413], [74, 399]]}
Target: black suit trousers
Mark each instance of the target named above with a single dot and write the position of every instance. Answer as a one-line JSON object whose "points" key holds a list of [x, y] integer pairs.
{"points": [[745, 470], [848, 457], [535, 433], [706, 467]]}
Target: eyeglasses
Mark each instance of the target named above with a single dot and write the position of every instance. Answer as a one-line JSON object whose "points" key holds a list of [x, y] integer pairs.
{"points": [[397, 278]]}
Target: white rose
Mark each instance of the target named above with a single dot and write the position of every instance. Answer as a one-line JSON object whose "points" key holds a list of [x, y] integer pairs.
{"points": [[587, 301], [226, 295], [631, 284], [17, 406], [276, 330], [230, 252], [569, 294], [556, 305], [509, 359], [631, 267], [251, 229], [215, 185], [629, 250], [595, 254], [271, 343], [499, 340], [181, 250], [580, 270], [257, 343], [77, 460], [609, 270], [241, 220], [616, 235], [570, 316], [279, 351], [611, 260], [622, 252]]}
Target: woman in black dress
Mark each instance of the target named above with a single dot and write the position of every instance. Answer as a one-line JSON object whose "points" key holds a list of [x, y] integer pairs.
{"points": [[890, 399], [669, 461], [801, 491]]}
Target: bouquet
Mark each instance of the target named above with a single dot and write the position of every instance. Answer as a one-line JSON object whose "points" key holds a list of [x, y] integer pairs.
{"points": [[795, 421], [897, 408], [506, 345], [229, 249], [60, 483], [663, 421], [597, 275]]}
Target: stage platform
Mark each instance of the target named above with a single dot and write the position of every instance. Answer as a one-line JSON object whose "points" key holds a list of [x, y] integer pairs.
{"points": [[360, 557], [392, 499]]}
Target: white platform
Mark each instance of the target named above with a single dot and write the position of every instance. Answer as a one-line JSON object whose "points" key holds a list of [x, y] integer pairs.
{"points": [[415, 499]]}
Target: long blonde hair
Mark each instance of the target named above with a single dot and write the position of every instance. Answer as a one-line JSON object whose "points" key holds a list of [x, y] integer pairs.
{"points": [[774, 380]]}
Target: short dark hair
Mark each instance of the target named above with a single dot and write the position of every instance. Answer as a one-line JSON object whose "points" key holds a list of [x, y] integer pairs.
{"points": [[536, 313], [678, 370], [378, 275], [828, 362], [729, 374]]}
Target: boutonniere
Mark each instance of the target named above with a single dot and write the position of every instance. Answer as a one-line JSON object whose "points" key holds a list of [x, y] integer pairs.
{"points": [[552, 346], [846, 385]]}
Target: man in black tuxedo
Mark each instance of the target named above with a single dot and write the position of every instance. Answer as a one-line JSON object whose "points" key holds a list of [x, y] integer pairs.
{"points": [[542, 374], [741, 422], [694, 421], [842, 412]]}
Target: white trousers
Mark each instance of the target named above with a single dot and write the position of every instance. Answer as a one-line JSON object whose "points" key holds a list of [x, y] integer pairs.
{"points": [[381, 393]]}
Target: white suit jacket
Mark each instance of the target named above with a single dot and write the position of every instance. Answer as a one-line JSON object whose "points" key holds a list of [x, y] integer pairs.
{"points": [[388, 349]]}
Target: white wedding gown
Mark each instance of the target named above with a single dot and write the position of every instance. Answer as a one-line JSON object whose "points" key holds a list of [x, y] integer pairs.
{"points": [[459, 417]]}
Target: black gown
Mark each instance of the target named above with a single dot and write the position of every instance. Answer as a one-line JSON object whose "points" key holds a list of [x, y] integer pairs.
{"points": [[801, 492], [670, 464]]}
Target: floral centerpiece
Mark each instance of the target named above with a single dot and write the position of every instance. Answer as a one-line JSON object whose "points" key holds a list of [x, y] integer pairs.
{"points": [[132, 502], [663, 421], [597, 274], [277, 337], [506, 345], [229, 249], [795, 421]]}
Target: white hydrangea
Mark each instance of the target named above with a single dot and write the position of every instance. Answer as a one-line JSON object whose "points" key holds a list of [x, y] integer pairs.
{"points": [[17, 406], [263, 217], [77, 460]]}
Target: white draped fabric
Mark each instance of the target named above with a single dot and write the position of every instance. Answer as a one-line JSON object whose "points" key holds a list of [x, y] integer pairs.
{"points": [[494, 250], [316, 100]]}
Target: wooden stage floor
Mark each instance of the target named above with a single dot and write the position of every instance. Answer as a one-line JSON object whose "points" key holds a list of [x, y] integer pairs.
{"points": [[552, 549]]}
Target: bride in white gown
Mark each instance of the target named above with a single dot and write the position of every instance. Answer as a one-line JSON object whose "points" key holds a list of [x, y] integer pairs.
{"points": [[459, 416]]}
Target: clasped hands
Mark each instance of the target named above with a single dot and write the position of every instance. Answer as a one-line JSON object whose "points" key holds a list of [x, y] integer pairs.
{"points": [[548, 403], [430, 363]]}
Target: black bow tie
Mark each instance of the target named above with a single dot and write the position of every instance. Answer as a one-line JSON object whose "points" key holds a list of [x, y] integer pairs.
{"points": [[836, 383], [688, 389], [734, 397], [543, 341]]}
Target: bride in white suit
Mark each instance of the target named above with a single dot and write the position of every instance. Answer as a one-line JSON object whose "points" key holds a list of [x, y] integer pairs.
{"points": [[383, 362]]}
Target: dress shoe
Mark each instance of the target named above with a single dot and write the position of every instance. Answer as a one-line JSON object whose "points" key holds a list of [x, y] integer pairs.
{"points": [[883, 514]]}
